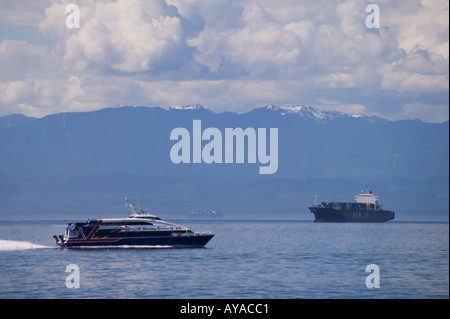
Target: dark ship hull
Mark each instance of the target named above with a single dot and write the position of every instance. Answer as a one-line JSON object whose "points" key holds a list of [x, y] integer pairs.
{"points": [[168, 240], [332, 215]]}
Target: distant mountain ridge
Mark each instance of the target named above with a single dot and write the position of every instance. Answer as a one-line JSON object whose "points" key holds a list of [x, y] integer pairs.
{"points": [[69, 163], [298, 109]]}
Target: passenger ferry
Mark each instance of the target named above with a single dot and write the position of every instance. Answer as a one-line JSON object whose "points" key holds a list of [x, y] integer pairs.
{"points": [[139, 230]]}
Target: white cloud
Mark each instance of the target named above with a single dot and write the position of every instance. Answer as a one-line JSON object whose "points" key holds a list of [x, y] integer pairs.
{"points": [[11, 91], [20, 60], [126, 35], [228, 55], [73, 89], [259, 44], [422, 24], [24, 13], [404, 81]]}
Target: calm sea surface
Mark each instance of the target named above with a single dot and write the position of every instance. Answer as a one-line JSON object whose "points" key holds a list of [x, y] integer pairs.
{"points": [[246, 259]]}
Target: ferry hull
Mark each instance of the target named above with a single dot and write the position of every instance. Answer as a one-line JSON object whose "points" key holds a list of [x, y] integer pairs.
{"points": [[330, 215], [169, 241]]}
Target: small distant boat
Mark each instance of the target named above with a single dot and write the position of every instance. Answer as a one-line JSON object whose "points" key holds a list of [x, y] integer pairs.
{"points": [[140, 229], [208, 214], [365, 210]]}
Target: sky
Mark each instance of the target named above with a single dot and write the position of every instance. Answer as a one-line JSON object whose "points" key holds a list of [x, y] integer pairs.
{"points": [[228, 55]]}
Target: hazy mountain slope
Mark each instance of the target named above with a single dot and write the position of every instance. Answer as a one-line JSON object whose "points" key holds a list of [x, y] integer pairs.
{"points": [[79, 163]]}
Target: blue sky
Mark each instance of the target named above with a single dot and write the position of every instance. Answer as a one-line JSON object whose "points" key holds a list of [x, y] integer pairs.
{"points": [[227, 55]]}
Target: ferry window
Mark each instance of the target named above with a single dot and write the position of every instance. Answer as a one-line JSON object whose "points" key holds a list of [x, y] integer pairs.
{"points": [[73, 233]]}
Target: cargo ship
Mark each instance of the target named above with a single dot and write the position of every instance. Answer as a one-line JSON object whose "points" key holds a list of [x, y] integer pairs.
{"points": [[365, 210]]}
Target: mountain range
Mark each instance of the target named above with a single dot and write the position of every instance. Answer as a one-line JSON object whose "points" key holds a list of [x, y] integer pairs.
{"points": [[82, 164]]}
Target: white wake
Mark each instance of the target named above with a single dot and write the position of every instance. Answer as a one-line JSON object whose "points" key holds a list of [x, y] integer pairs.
{"points": [[18, 245]]}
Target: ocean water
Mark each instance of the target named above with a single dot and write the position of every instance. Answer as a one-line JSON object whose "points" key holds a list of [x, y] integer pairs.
{"points": [[276, 259]]}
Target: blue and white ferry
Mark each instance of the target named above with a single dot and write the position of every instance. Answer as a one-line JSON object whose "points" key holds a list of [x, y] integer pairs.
{"points": [[139, 230]]}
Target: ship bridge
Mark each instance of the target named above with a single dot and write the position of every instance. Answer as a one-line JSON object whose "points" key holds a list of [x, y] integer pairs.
{"points": [[367, 198]]}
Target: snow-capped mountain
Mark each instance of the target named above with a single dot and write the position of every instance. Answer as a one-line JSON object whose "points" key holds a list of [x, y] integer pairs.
{"points": [[310, 112], [300, 110], [188, 107]]}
